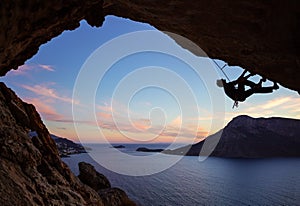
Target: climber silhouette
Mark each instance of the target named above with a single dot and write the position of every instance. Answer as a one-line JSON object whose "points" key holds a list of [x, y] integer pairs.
{"points": [[239, 93]]}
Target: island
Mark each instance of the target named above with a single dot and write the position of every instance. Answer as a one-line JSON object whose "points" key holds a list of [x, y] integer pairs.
{"points": [[145, 149], [119, 146]]}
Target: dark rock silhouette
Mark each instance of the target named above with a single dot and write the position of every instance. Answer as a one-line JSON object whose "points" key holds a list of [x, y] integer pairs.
{"points": [[246, 137], [110, 196], [89, 176], [31, 171], [119, 146], [265, 33], [145, 149], [115, 196]]}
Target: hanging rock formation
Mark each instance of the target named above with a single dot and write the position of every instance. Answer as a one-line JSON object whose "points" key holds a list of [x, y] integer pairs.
{"points": [[260, 36]]}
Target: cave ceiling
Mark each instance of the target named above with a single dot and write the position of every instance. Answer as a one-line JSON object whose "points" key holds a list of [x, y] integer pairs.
{"points": [[260, 36]]}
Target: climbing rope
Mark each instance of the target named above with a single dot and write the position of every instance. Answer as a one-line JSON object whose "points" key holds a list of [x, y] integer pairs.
{"points": [[221, 68], [235, 103]]}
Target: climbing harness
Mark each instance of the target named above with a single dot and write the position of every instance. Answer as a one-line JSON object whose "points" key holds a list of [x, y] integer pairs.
{"points": [[235, 104]]}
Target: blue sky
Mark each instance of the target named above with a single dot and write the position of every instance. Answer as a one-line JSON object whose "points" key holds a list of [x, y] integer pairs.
{"points": [[48, 78]]}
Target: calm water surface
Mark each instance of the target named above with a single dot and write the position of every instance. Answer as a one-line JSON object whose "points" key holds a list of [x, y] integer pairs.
{"points": [[215, 181]]}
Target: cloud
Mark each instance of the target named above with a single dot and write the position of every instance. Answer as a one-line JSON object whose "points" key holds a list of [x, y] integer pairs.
{"points": [[64, 120], [104, 115], [115, 116], [136, 126], [275, 102], [142, 124], [46, 110], [293, 105], [24, 69], [47, 92], [46, 67], [121, 124], [287, 103], [177, 122], [105, 108], [284, 106], [110, 118], [187, 131]]}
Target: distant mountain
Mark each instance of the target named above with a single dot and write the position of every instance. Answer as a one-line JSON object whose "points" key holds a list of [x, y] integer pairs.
{"points": [[247, 137], [67, 147]]}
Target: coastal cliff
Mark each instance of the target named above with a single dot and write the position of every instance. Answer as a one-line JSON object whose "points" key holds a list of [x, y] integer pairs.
{"points": [[31, 171], [247, 137]]}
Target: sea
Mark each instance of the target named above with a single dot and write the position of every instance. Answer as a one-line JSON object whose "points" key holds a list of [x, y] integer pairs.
{"points": [[198, 181]]}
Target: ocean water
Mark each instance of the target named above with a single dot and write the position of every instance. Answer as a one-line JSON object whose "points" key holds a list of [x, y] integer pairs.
{"points": [[214, 181]]}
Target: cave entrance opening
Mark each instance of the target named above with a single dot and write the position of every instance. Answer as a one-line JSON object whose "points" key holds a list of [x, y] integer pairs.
{"points": [[47, 80]]}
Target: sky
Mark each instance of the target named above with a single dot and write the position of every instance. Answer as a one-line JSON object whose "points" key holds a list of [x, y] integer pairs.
{"points": [[143, 97]]}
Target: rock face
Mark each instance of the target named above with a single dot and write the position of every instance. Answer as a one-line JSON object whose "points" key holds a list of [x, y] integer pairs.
{"points": [[27, 25], [115, 196], [110, 196], [260, 36], [89, 176], [246, 137], [31, 172]]}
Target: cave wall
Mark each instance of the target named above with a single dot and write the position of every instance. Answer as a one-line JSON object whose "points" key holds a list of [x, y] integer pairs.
{"points": [[260, 36], [31, 171]]}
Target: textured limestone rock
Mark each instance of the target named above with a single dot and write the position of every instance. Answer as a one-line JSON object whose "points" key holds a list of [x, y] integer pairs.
{"points": [[89, 176], [115, 197], [261, 36], [31, 172], [26, 25]]}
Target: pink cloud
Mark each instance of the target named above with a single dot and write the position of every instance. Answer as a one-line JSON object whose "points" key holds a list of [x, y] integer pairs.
{"points": [[137, 126], [111, 118], [104, 116], [46, 67], [120, 124], [47, 111], [115, 108], [47, 92], [177, 122], [63, 120], [285, 106], [105, 108], [24, 69], [142, 124], [276, 102]]}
